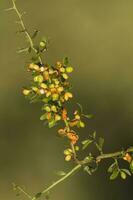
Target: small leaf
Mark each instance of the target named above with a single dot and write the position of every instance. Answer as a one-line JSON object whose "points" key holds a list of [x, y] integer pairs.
{"points": [[87, 169], [94, 134], [52, 123], [123, 175], [87, 116], [22, 50], [114, 175], [80, 106], [61, 173], [43, 117], [34, 34], [126, 171], [101, 142], [86, 143], [131, 166], [38, 195], [130, 149], [65, 61], [112, 167]]}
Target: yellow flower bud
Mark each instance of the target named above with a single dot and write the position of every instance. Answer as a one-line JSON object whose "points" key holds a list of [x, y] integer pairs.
{"points": [[68, 95], [26, 92], [67, 152], [53, 108], [47, 108], [51, 71], [35, 89], [77, 117], [43, 85], [42, 69], [62, 69], [42, 91], [58, 64], [68, 158], [82, 124], [65, 76], [69, 69], [46, 75], [38, 78], [55, 97], [51, 86], [57, 117], [56, 81], [77, 148], [33, 66], [60, 89], [48, 93], [42, 44]]}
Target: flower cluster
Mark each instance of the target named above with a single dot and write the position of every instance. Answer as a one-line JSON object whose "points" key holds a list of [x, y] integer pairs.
{"points": [[50, 85]]}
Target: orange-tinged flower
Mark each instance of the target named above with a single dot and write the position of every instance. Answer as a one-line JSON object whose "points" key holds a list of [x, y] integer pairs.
{"points": [[64, 114], [127, 157]]}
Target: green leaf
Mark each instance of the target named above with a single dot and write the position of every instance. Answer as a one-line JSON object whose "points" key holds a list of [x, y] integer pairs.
{"points": [[65, 61], [52, 123], [34, 34], [38, 195], [130, 149], [94, 134], [61, 173], [80, 106], [23, 50], [131, 166], [112, 167], [126, 171], [101, 142], [85, 143], [123, 175], [114, 175], [87, 169], [90, 116], [43, 117]]}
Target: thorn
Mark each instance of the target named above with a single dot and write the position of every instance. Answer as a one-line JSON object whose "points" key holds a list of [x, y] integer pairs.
{"points": [[21, 31], [18, 22], [24, 13], [22, 50], [9, 9]]}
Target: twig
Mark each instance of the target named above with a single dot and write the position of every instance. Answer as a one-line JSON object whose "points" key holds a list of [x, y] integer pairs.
{"points": [[24, 29], [75, 169]]}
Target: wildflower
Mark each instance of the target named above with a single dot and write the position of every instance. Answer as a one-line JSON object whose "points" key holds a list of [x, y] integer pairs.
{"points": [[55, 97], [68, 95], [64, 114], [127, 157], [43, 85], [42, 69], [33, 66], [57, 117], [38, 79], [42, 91]]}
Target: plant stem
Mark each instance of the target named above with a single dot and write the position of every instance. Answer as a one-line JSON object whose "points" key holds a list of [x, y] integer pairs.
{"points": [[25, 30], [23, 191], [76, 168]]}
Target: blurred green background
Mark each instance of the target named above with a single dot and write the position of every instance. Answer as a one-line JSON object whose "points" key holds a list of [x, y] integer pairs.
{"points": [[98, 38]]}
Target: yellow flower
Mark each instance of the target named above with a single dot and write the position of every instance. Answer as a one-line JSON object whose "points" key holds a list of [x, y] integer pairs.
{"points": [[68, 95]]}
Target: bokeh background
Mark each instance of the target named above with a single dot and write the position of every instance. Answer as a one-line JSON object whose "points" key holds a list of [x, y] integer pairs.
{"points": [[97, 36]]}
